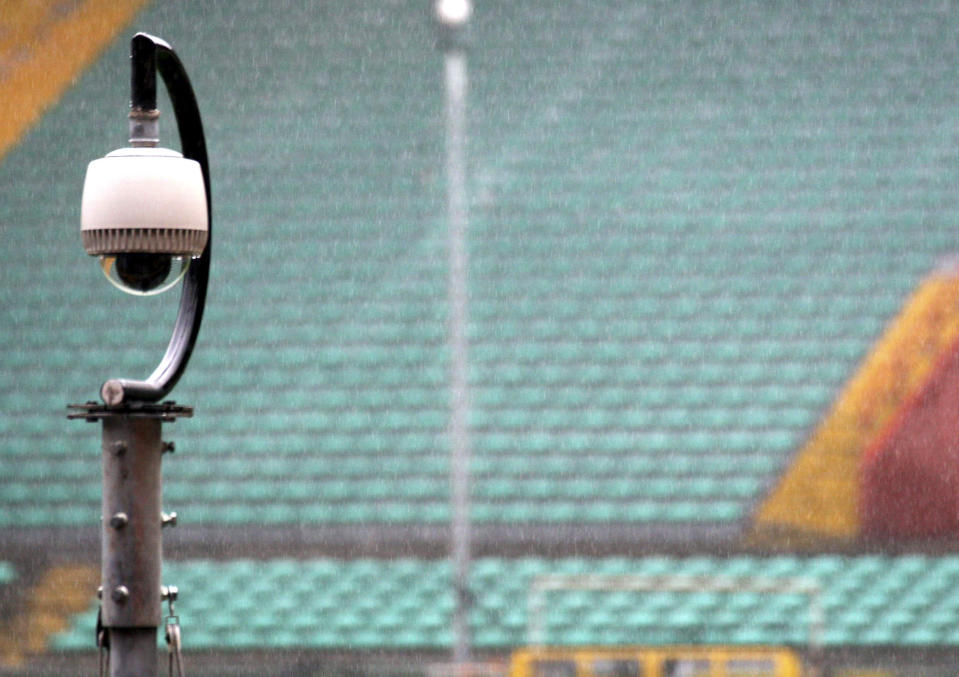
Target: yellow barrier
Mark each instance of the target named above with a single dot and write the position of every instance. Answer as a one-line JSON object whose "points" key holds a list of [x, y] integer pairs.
{"points": [[665, 661]]}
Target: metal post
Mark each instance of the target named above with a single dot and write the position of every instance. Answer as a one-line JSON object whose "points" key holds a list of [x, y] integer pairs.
{"points": [[133, 652], [131, 544], [453, 17], [459, 347], [131, 547]]}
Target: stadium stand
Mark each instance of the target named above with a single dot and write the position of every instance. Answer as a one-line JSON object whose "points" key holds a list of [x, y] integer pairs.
{"points": [[689, 225], [696, 319]]}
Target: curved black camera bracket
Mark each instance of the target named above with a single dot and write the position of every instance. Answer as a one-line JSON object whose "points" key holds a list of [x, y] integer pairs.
{"points": [[149, 55]]}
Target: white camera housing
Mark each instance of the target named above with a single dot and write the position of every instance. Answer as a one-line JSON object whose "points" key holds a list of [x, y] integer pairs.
{"points": [[144, 214]]}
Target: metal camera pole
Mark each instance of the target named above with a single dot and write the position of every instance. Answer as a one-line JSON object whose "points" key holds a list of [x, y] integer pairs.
{"points": [[132, 414], [131, 547]]}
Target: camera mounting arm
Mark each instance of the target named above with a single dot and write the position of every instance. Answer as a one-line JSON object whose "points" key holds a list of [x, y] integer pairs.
{"points": [[150, 55]]}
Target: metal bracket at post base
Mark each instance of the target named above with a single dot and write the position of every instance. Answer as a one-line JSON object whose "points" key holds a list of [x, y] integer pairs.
{"points": [[94, 411]]}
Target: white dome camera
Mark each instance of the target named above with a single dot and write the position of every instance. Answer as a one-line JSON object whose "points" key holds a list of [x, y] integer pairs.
{"points": [[144, 214]]}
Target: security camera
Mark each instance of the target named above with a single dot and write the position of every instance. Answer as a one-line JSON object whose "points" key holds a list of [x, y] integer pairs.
{"points": [[144, 214]]}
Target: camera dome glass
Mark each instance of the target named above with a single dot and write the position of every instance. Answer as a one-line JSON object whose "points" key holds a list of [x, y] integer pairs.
{"points": [[144, 274]]}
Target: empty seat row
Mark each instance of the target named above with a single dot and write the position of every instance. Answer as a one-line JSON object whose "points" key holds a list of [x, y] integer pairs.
{"points": [[417, 501], [408, 603]]}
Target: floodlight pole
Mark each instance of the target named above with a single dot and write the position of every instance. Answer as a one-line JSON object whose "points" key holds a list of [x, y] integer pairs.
{"points": [[452, 17], [131, 546]]}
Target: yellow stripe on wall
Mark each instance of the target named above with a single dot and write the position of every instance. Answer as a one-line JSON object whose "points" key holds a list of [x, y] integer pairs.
{"points": [[817, 499], [43, 48], [61, 592]]}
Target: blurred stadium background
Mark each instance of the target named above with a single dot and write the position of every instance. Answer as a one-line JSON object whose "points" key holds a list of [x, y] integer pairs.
{"points": [[713, 329]]}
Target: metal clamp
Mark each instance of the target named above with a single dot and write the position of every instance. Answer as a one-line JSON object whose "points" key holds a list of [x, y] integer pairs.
{"points": [[169, 594], [172, 632]]}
